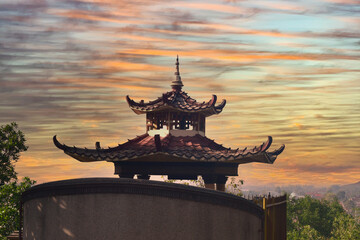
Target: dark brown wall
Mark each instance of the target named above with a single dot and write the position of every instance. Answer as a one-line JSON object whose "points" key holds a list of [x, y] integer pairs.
{"points": [[134, 209]]}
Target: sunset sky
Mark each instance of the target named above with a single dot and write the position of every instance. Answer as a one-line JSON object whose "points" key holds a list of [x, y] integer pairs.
{"points": [[288, 69]]}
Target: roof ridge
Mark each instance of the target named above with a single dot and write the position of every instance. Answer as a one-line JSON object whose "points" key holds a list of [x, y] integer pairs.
{"points": [[197, 148]]}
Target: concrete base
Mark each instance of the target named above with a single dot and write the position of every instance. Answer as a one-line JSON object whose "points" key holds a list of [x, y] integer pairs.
{"points": [[109, 208]]}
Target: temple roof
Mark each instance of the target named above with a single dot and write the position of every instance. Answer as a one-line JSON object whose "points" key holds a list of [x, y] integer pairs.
{"points": [[177, 100], [170, 148]]}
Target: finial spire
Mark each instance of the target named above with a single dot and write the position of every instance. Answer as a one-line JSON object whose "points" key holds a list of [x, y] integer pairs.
{"points": [[177, 83], [177, 65]]}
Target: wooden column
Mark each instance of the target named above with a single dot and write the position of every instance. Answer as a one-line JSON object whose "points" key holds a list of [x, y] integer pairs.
{"points": [[220, 183], [143, 176], [210, 186], [198, 122], [204, 123], [209, 181], [126, 175], [169, 121]]}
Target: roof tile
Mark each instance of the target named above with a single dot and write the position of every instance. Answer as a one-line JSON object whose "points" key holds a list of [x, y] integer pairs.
{"points": [[197, 148], [177, 100]]}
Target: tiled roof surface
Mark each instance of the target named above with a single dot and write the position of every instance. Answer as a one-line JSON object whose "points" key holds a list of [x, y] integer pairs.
{"points": [[196, 148], [178, 100]]}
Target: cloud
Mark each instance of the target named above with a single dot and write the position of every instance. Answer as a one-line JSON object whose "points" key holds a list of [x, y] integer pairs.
{"points": [[211, 7], [321, 168], [337, 33], [66, 67]]}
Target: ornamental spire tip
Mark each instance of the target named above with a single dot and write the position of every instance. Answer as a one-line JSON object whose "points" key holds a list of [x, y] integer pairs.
{"points": [[177, 83]]}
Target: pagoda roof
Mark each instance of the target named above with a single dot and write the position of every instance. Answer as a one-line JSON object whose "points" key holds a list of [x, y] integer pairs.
{"points": [[178, 149], [178, 101]]}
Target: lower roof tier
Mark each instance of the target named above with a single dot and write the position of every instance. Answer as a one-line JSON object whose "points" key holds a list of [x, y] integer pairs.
{"points": [[173, 149]]}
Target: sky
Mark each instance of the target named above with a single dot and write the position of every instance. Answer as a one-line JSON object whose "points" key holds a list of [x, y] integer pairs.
{"points": [[288, 69]]}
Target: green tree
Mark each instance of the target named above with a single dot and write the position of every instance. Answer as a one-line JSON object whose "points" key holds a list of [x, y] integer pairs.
{"points": [[10, 195], [12, 142], [304, 233], [318, 214], [345, 228], [309, 218]]}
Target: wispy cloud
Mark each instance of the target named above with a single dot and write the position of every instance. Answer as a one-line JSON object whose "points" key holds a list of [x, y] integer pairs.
{"points": [[287, 69]]}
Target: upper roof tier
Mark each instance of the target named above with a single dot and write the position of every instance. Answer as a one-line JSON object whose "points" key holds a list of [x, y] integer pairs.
{"points": [[177, 100]]}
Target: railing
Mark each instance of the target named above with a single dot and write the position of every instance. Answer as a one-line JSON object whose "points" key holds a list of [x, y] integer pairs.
{"points": [[275, 218]]}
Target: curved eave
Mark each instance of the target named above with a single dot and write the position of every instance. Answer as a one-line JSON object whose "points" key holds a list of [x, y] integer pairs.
{"points": [[256, 154], [72, 152], [58, 144], [207, 111], [273, 155], [84, 158], [260, 154], [261, 157], [93, 155], [220, 107], [154, 156]]}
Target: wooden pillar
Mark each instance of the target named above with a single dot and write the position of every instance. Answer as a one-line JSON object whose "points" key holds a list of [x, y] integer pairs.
{"points": [[220, 183], [210, 186], [215, 182], [143, 176], [209, 181], [168, 121], [126, 175], [198, 122], [204, 123]]}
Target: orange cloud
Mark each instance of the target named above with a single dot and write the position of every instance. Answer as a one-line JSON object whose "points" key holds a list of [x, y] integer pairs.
{"points": [[129, 66], [238, 30], [231, 55], [86, 15], [67, 70], [292, 6], [211, 7]]}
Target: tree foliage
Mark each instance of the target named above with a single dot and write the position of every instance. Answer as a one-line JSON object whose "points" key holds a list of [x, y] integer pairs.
{"points": [[309, 218], [233, 186], [304, 233], [10, 195], [345, 227], [12, 142]]}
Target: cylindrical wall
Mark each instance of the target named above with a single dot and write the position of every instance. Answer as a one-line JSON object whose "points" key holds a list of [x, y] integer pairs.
{"points": [[108, 208]]}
